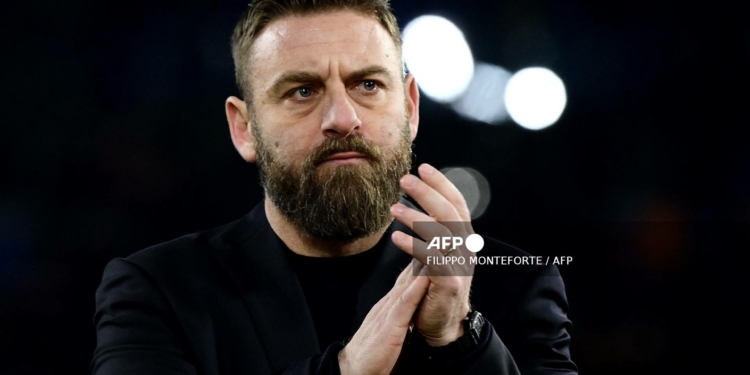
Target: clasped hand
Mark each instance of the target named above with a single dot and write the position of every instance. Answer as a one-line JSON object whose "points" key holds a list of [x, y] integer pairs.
{"points": [[437, 300]]}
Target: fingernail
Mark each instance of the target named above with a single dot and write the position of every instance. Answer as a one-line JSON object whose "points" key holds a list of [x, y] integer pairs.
{"points": [[396, 209], [427, 169], [408, 181], [396, 237], [417, 268]]}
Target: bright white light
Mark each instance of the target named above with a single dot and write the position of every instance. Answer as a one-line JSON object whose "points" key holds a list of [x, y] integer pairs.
{"points": [[437, 53], [473, 186], [484, 100], [535, 98]]}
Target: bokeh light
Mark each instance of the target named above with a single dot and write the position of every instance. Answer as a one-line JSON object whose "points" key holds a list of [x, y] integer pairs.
{"points": [[484, 99], [472, 185], [535, 98], [436, 52]]}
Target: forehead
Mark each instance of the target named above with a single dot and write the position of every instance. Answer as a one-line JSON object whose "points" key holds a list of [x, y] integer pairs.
{"points": [[348, 39]]}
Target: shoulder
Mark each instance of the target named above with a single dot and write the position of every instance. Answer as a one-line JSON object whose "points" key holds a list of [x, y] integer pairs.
{"points": [[186, 249], [183, 258]]}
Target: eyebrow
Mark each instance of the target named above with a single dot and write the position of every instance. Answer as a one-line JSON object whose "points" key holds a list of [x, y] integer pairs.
{"points": [[296, 77], [368, 71], [293, 77]]}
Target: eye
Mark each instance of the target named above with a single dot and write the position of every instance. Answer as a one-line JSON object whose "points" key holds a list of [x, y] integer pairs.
{"points": [[369, 85], [304, 92]]}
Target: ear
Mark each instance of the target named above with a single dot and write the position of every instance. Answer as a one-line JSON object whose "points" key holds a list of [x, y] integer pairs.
{"points": [[240, 128], [412, 103]]}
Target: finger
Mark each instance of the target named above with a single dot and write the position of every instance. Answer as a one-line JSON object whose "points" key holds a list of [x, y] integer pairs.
{"points": [[402, 311], [419, 251], [423, 225], [375, 310], [406, 243], [443, 186], [403, 282], [417, 267], [427, 228], [398, 287], [403, 276], [431, 201]]}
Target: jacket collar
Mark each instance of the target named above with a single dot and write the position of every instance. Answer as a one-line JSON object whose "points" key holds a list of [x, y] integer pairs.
{"points": [[253, 256]]}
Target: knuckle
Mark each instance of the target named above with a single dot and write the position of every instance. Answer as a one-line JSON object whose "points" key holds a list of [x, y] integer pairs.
{"points": [[460, 201], [396, 343], [451, 286], [405, 300]]}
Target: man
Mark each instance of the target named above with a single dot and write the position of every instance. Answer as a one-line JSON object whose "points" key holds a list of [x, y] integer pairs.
{"points": [[318, 278]]}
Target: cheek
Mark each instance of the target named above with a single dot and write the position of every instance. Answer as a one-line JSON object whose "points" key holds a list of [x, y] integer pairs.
{"points": [[293, 151], [391, 129], [291, 141]]}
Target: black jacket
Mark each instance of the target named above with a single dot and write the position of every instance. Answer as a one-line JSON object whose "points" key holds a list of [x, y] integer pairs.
{"points": [[226, 301]]}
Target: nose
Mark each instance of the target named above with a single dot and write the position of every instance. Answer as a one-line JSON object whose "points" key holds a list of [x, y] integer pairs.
{"points": [[340, 117]]}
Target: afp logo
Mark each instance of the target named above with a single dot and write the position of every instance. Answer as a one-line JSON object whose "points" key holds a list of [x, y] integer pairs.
{"points": [[473, 242]]}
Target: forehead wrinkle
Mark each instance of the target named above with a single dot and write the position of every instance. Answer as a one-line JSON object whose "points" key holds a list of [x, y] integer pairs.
{"points": [[286, 41]]}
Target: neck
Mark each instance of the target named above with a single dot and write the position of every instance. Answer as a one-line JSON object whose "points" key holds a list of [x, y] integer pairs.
{"points": [[303, 244]]}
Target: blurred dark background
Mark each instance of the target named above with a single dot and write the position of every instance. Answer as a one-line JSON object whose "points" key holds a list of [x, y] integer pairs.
{"points": [[113, 138]]}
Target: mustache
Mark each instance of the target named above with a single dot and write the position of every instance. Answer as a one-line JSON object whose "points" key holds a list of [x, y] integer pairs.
{"points": [[355, 143]]}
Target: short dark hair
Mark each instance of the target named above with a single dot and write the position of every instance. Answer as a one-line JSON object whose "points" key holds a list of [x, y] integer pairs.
{"points": [[261, 12]]}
